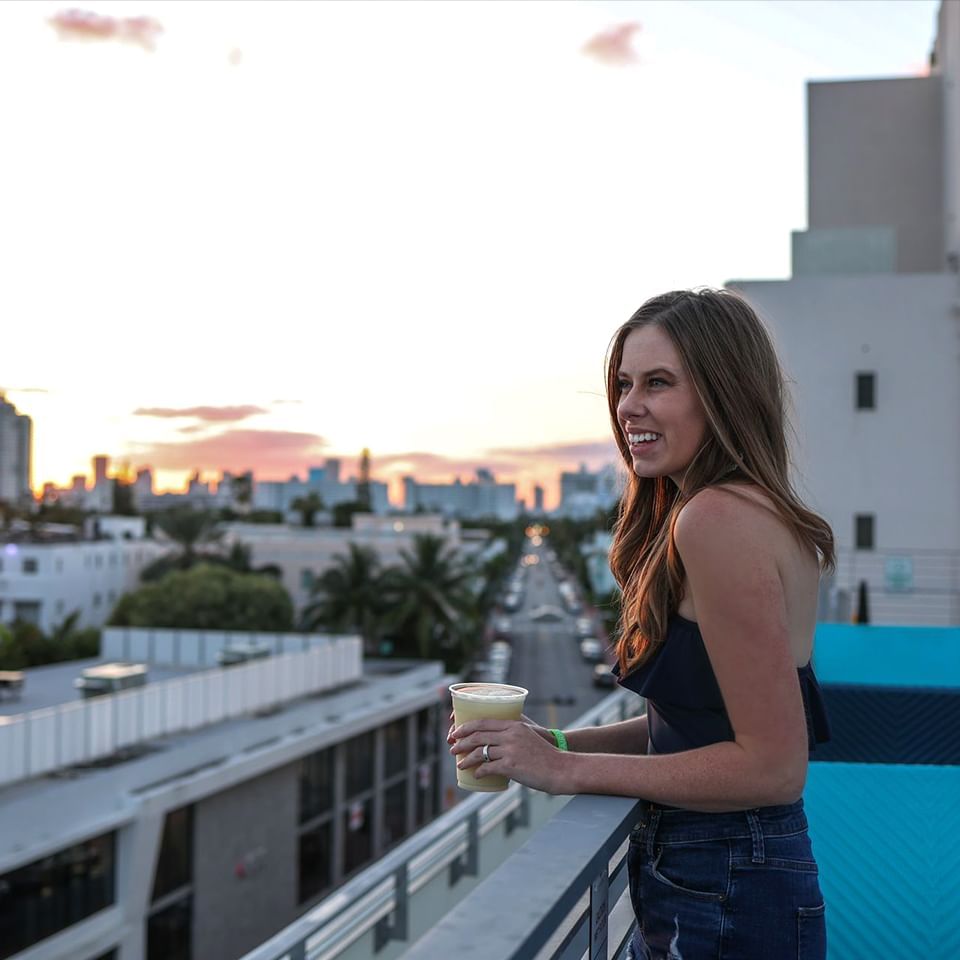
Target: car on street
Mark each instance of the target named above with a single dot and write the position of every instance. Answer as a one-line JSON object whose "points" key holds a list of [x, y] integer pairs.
{"points": [[602, 676], [584, 627], [591, 649]]}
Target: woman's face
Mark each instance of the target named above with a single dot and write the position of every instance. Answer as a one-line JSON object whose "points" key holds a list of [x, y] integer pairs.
{"points": [[658, 409]]}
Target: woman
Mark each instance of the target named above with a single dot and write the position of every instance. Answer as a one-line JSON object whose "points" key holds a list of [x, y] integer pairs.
{"points": [[718, 563]]}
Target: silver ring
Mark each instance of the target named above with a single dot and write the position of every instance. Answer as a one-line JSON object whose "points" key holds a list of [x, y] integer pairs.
{"points": [[486, 753]]}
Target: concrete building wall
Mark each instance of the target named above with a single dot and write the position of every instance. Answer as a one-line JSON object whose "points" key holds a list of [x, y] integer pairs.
{"points": [[875, 154], [900, 461], [245, 845]]}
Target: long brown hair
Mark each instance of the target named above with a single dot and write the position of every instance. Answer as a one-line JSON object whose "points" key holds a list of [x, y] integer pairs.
{"points": [[731, 361]]}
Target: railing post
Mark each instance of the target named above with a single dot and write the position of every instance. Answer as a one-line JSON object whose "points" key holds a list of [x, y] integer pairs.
{"points": [[599, 891], [521, 816], [397, 929], [468, 865]]}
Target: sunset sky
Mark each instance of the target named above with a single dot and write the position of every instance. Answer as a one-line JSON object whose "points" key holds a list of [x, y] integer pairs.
{"points": [[293, 230]]}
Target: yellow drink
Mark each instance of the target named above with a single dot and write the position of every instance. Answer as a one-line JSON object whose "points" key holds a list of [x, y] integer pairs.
{"points": [[485, 701]]}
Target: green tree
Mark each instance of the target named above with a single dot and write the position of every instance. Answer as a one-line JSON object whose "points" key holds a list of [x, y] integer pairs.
{"points": [[349, 596], [207, 597], [190, 530], [307, 507], [433, 609]]}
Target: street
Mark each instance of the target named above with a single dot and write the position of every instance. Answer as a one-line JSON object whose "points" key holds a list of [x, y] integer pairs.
{"points": [[546, 656]]}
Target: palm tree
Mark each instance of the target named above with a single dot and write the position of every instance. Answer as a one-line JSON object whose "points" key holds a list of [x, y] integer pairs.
{"points": [[348, 596], [189, 530], [307, 506], [432, 605]]}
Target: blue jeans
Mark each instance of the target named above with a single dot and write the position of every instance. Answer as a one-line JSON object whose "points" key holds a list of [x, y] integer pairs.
{"points": [[725, 886]]}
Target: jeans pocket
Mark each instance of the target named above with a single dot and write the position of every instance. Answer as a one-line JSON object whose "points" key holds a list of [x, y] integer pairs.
{"points": [[699, 870], [811, 933]]}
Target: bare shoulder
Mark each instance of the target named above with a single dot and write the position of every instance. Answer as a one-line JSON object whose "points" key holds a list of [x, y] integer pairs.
{"points": [[728, 515]]}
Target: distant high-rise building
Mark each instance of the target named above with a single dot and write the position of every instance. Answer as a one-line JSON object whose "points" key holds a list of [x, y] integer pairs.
{"points": [[363, 487], [483, 499], [583, 494], [16, 446], [538, 499], [100, 466]]}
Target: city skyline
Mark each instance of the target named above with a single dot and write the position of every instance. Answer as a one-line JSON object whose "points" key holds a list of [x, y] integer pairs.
{"points": [[281, 237]]}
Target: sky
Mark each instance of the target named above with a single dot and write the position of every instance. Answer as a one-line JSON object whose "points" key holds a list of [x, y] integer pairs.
{"points": [[275, 232]]}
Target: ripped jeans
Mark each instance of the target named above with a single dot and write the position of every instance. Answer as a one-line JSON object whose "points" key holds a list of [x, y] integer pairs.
{"points": [[725, 886]]}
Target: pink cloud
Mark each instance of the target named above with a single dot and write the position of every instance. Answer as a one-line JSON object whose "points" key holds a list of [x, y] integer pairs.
{"points": [[614, 46], [210, 414], [269, 453]]}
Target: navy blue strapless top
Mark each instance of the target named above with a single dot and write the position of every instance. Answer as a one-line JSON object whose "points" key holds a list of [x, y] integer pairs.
{"points": [[685, 708]]}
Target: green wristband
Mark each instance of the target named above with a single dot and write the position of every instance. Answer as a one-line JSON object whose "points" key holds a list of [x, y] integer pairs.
{"points": [[558, 735]]}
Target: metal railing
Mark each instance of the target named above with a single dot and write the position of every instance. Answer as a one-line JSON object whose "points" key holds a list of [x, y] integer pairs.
{"points": [[406, 894], [81, 732]]}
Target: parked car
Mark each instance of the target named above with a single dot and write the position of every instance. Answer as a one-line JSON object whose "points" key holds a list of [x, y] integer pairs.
{"points": [[585, 627], [602, 677], [501, 628], [591, 649]]}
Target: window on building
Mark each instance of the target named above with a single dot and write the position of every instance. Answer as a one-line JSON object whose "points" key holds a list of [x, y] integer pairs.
{"points": [[428, 792], [395, 813], [307, 579], [427, 732], [358, 756], [60, 606], [59, 566], [169, 932], [315, 861], [97, 599], [316, 785], [27, 611], [395, 747], [864, 533], [358, 835], [866, 390], [51, 894], [175, 862], [98, 561], [29, 564]]}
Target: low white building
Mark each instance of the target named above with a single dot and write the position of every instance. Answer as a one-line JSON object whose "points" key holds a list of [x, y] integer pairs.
{"points": [[303, 553], [43, 583]]}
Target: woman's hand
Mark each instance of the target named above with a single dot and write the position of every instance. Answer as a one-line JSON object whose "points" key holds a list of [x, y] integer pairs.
{"points": [[516, 750]]}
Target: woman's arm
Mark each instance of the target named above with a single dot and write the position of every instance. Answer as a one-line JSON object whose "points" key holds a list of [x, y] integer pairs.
{"points": [[729, 546], [627, 736]]}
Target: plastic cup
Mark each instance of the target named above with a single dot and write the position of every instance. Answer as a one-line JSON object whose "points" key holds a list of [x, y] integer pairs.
{"points": [[485, 701]]}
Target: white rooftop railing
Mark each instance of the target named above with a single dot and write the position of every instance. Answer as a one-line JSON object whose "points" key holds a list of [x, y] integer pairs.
{"points": [[84, 731]]}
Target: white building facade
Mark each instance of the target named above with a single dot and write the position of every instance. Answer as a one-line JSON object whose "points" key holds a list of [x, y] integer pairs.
{"points": [[43, 583], [868, 329], [303, 553]]}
